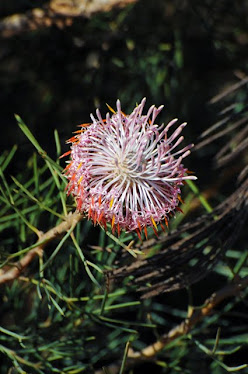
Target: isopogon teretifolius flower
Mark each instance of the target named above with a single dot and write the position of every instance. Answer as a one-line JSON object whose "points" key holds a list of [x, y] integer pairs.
{"points": [[126, 170]]}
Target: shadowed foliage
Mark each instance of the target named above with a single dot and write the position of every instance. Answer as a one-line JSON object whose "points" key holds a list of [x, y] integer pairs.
{"points": [[191, 251]]}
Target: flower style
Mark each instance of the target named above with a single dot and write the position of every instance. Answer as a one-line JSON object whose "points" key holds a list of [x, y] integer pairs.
{"points": [[125, 169]]}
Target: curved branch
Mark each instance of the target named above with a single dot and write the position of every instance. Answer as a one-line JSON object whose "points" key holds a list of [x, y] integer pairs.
{"points": [[9, 273], [58, 12], [183, 328], [149, 352]]}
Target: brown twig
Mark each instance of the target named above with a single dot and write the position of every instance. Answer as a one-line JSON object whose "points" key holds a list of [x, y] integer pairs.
{"points": [[57, 12], [9, 273], [149, 352], [216, 298]]}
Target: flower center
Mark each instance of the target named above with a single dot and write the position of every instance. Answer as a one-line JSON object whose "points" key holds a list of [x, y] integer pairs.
{"points": [[122, 168], [128, 168]]}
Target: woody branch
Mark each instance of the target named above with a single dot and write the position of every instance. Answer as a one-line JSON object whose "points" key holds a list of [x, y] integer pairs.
{"points": [[13, 271], [149, 353], [57, 12]]}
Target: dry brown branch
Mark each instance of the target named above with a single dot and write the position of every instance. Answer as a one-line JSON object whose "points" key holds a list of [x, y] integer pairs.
{"points": [[183, 328], [9, 273], [85, 8], [197, 315], [57, 12]]}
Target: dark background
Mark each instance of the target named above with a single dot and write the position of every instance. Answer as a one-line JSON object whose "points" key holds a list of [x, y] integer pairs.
{"points": [[176, 53]]}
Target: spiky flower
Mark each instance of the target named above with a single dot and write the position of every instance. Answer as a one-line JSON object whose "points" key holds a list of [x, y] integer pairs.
{"points": [[125, 170]]}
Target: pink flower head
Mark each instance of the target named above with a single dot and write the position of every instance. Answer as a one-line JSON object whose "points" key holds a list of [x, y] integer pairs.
{"points": [[126, 170]]}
